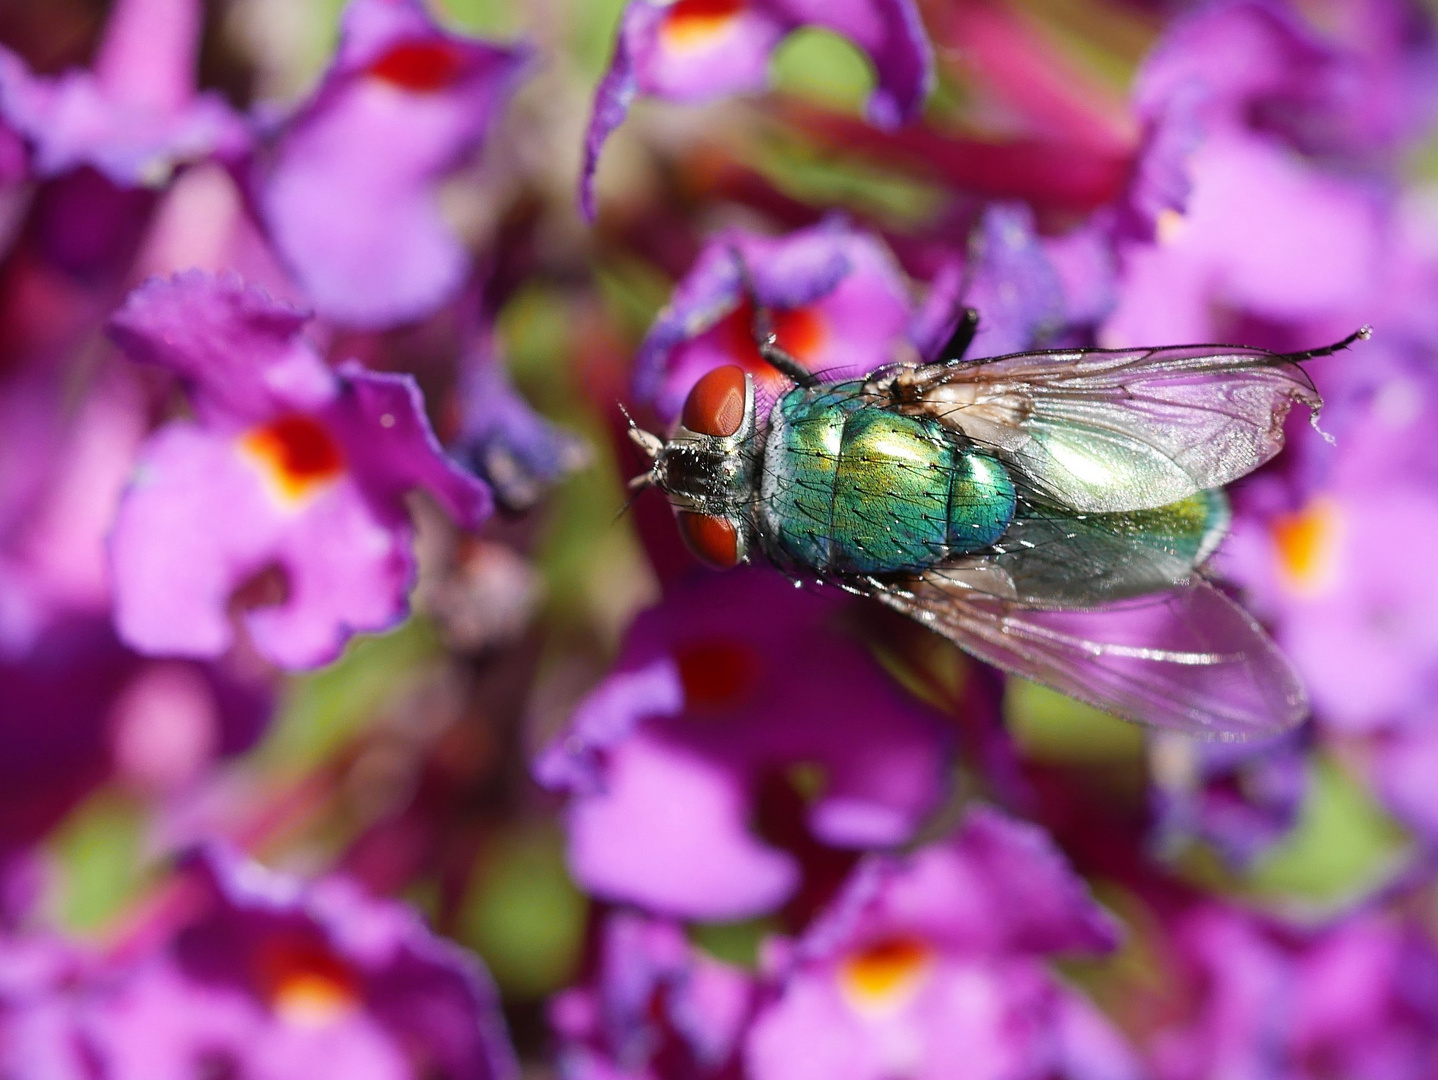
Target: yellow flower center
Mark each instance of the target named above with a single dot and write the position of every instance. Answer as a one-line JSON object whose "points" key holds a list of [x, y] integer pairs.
{"points": [[1307, 544], [312, 999], [1170, 225], [885, 976], [305, 983]]}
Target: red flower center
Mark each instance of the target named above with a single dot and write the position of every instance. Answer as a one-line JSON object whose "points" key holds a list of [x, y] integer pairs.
{"points": [[691, 24], [304, 982], [423, 67], [717, 674], [297, 454]]}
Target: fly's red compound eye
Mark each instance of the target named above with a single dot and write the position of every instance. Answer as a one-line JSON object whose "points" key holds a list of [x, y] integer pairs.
{"points": [[715, 540], [716, 404]]}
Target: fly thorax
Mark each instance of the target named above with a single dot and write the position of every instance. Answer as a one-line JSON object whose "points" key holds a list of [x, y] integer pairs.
{"points": [[707, 467], [852, 487]]}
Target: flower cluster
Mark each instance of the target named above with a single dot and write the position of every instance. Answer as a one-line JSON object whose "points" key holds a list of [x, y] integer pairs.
{"points": [[348, 722]]}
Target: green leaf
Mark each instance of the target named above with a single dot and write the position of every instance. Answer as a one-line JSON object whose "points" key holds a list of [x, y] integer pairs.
{"points": [[522, 913], [324, 711], [1343, 847], [1054, 729], [820, 65], [735, 943], [98, 848], [824, 178]]}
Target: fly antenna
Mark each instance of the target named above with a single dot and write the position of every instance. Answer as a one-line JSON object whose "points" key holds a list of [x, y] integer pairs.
{"points": [[766, 340], [650, 443]]}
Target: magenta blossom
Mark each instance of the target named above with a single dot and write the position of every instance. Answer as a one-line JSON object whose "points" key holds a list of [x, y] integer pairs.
{"points": [[931, 965], [1241, 798], [266, 978], [700, 50], [76, 706], [1358, 1000], [736, 698], [348, 186], [1029, 291], [289, 483], [501, 438], [657, 1008], [102, 143], [1334, 556], [841, 305], [1244, 102], [40, 1026], [137, 116], [1403, 764]]}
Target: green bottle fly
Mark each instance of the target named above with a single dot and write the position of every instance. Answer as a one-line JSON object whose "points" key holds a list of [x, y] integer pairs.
{"points": [[1051, 512]]}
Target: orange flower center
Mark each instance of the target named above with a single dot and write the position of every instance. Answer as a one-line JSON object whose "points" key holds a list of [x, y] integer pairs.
{"points": [[297, 455], [885, 975], [717, 674], [1307, 543], [693, 24], [306, 984], [420, 66], [1170, 226]]}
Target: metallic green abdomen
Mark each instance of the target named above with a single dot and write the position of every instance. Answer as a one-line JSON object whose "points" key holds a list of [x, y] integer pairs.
{"points": [[858, 489]]}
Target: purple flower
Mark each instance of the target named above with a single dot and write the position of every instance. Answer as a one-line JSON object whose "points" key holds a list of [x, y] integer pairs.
{"points": [[1339, 567], [1241, 798], [54, 698], [656, 1007], [39, 1025], [76, 706], [278, 979], [136, 117], [14, 165], [1357, 999], [1015, 286], [501, 438], [60, 482], [930, 964], [745, 702], [286, 489], [840, 306], [348, 187], [1246, 227], [1366, 86], [700, 50]]}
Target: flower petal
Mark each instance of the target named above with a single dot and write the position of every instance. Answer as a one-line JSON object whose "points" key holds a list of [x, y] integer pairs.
{"points": [[238, 350], [348, 192]]}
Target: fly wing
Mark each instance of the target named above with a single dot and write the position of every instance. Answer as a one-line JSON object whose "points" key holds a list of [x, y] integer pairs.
{"points": [[1189, 660], [1051, 556], [1111, 430]]}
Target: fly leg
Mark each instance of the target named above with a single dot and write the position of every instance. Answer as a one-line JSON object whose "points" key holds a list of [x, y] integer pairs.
{"points": [[767, 342], [962, 337], [765, 339]]}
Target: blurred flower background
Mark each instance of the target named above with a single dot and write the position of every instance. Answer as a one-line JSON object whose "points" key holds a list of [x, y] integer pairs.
{"points": [[347, 728]]}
